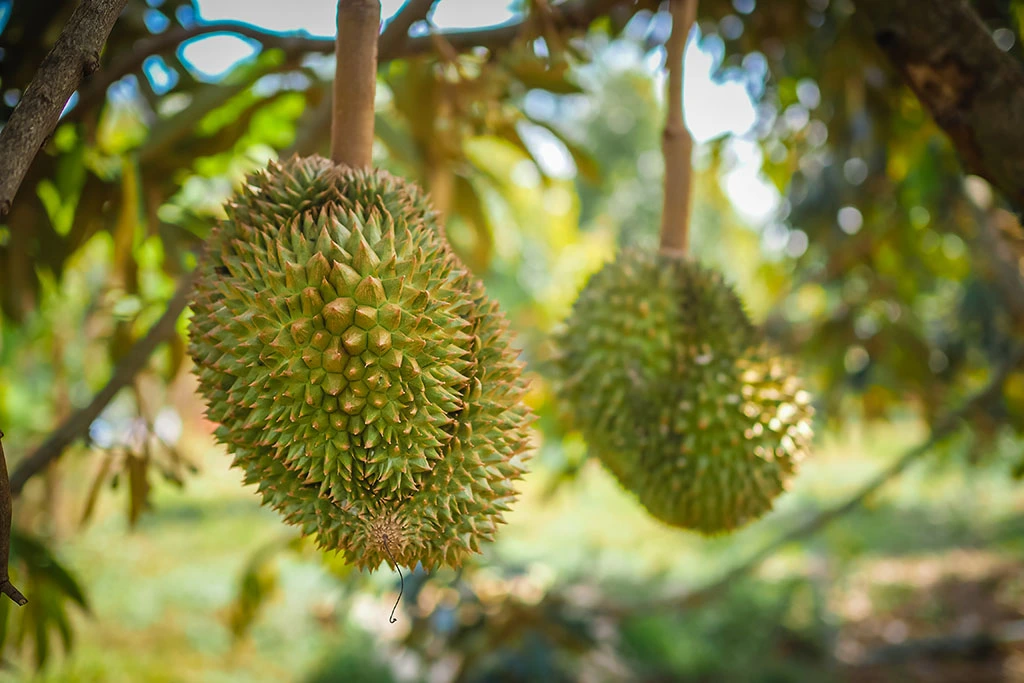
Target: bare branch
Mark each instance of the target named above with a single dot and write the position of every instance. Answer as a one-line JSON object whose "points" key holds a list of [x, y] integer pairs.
{"points": [[132, 60], [75, 55], [77, 424], [355, 83], [396, 32], [6, 517], [942, 429], [573, 14], [677, 145]]}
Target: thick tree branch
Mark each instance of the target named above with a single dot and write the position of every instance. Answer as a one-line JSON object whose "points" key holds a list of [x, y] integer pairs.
{"points": [[6, 517], [74, 56], [355, 83], [676, 144], [973, 90], [77, 424], [942, 429]]}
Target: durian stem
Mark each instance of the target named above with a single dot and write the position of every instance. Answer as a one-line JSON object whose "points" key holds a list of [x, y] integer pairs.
{"points": [[355, 82], [676, 143]]}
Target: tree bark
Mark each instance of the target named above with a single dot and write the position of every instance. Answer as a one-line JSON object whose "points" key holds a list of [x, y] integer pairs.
{"points": [[973, 90], [74, 56], [6, 515]]}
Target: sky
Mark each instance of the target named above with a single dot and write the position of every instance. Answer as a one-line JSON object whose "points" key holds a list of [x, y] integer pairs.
{"points": [[712, 108]]}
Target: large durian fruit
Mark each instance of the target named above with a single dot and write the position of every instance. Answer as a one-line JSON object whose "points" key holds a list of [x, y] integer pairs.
{"points": [[359, 375], [662, 371]]}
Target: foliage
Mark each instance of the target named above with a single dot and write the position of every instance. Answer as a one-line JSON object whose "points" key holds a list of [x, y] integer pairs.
{"points": [[882, 267], [46, 619]]}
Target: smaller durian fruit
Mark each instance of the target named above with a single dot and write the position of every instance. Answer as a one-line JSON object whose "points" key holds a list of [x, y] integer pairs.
{"points": [[668, 380]]}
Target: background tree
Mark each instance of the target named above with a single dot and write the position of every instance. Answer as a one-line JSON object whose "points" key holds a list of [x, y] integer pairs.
{"points": [[895, 278]]}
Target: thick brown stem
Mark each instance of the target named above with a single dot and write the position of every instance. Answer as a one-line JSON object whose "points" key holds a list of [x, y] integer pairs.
{"points": [[74, 56], [676, 144], [6, 514], [355, 82]]}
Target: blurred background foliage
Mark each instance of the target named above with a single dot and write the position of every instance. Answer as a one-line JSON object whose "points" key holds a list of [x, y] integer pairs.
{"points": [[896, 280]]}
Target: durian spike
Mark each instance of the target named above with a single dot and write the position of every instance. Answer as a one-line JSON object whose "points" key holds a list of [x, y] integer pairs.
{"points": [[677, 145], [355, 83]]}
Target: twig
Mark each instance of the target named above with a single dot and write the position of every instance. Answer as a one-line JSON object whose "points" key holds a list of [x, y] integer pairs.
{"points": [[676, 144], [77, 424], [355, 83], [940, 431], [396, 32], [74, 56], [6, 515]]}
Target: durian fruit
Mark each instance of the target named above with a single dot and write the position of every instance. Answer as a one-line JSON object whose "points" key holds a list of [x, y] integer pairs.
{"points": [[359, 375], [664, 374]]}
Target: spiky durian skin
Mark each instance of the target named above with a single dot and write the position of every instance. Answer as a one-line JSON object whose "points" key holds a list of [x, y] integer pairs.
{"points": [[358, 374], [664, 374]]}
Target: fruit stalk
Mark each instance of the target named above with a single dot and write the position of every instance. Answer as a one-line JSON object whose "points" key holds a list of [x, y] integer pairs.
{"points": [[677, 145], [355, 83]]}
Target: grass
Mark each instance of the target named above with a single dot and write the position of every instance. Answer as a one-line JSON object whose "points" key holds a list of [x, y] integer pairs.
{"points": [[159, 593]]}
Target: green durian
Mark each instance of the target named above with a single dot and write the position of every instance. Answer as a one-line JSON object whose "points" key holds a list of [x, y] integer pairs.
{"points": [[668, 380], [359, 375]]}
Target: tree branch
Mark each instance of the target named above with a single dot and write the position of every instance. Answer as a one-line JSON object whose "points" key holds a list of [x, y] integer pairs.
{"points": [[355, 83], [572, 14], [132, 60], [943, 428], [75, 55], [676, 143], [77, 424], [396, 32], [6, 516], [973, 90], [977, 645]]}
